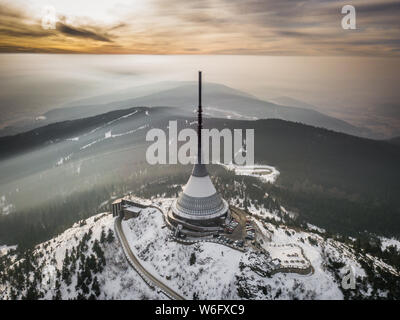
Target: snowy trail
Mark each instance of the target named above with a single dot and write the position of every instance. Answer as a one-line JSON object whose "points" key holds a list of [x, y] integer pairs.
{"points": [[109, 135], [111, 122], [139, 268], [263, 172], [102, 126]]}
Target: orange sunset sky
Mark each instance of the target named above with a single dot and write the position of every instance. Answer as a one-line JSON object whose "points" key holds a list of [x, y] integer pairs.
{"points": [[258, 27]]}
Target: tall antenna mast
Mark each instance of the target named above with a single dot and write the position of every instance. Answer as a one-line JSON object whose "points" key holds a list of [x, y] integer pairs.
{"points": [[199, 169], [199, 123]]}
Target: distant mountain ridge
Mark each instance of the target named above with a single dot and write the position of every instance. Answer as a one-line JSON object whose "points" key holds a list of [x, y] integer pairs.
{"points": [[218, 101], [142, 91], [216, 97]]}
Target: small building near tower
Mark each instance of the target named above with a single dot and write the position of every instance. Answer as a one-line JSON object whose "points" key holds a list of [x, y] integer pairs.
{"points": [[127, 208], [116, 207], [130, 211]]}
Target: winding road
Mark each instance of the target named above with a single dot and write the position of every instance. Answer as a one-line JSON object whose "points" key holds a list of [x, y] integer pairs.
{"points": [[147, 276]]}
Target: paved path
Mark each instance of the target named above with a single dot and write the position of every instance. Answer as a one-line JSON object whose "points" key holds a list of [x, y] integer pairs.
{"points": [[147, 276]]}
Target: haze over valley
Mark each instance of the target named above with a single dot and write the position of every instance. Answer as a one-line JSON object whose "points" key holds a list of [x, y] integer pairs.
{"points": [[359, 91]]}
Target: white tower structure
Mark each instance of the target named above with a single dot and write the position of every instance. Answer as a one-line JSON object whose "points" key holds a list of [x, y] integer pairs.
{"points": [[199, 208]]}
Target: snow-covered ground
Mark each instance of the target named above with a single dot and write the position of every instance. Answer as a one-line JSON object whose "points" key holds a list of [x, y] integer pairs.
{"points": [[289, 255], [117, 281], [217, 268], [5, 249], [315, 228], [263, 172], [211, 276], [203, 270], [229, 114], [386, 242], [261, 212]]}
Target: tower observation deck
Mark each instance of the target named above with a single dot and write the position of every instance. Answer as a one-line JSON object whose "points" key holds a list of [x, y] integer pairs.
{"points": [[199, 209]]}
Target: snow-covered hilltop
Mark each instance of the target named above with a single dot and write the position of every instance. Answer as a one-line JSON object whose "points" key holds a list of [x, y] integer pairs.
{"points": [[87, 262]]}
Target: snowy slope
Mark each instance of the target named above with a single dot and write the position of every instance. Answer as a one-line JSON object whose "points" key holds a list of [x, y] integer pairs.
{"points": [[219, 271], [211, 277], [71, 266], [117, 280]]}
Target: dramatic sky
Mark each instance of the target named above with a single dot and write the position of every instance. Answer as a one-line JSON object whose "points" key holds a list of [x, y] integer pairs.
{"points": [[262, 27]]}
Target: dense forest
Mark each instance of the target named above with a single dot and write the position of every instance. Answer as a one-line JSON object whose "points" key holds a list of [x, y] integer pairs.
{"points": [[334, 180], [34, 225]]}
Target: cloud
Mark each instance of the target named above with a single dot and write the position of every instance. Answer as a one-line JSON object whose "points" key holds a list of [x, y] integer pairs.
{"points": [[27, 49], [81, 33], [23, 32], [214, 26], [380, 8]]}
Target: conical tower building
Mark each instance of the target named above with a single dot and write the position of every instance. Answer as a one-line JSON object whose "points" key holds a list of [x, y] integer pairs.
{"points": [[199, 209]]}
